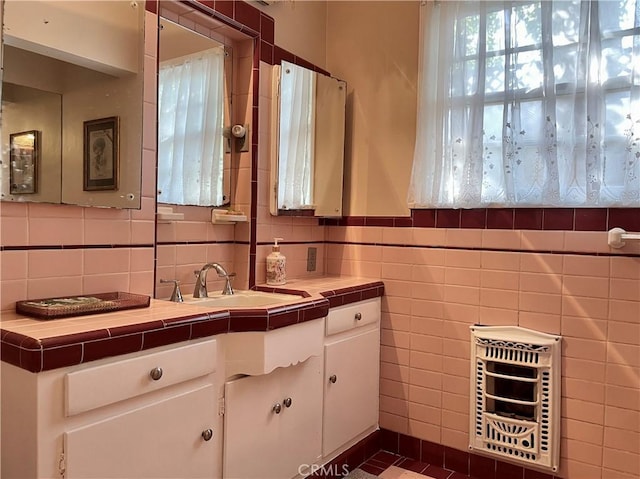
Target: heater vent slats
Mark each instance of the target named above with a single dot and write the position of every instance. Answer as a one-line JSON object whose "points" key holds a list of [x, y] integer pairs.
{"points": [[515, 391], [515, 378], [511, 400]]}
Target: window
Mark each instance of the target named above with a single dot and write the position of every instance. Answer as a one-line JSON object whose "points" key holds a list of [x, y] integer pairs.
{"points": [[528, 104]]}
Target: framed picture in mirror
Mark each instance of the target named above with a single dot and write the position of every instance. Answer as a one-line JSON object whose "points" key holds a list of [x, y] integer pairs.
{"points": [[24, 157], [101, 154]]}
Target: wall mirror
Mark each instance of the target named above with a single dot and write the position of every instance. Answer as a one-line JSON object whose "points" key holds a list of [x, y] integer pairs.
{"points": [[67, 65], [308, 128], [194, 105]]}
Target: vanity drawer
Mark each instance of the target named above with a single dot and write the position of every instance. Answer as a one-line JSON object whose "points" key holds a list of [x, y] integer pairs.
{"points": [[116, 381], [344, 318]]}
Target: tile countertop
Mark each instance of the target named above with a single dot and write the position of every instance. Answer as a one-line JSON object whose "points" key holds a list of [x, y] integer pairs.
{"points": [[40, 345]]}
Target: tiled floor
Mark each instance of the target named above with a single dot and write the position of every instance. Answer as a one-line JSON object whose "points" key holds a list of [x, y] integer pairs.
{"points": [[391, 466]]}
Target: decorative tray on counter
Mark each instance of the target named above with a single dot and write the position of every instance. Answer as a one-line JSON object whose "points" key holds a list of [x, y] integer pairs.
{"points": [[53, 308]]}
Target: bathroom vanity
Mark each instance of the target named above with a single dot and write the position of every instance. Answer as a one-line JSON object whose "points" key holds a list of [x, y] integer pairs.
{"points": [[166, 391]]}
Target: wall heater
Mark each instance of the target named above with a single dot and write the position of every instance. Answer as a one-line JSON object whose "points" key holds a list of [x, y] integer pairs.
{"points": [[515, 395]]}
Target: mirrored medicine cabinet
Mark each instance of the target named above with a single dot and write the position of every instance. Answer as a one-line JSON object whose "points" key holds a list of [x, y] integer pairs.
{"points": [[194, 117], [308, 132], [72, 101]]}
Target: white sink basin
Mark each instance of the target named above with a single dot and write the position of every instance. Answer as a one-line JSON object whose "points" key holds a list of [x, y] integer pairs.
{"points": [[242, 299]]}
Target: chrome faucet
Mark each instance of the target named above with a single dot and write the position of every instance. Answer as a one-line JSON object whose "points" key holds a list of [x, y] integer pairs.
{"points": [[200, 290]]}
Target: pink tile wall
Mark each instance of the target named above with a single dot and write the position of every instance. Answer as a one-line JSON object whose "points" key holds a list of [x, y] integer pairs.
{"points": [[53, 250], [439, 281]]}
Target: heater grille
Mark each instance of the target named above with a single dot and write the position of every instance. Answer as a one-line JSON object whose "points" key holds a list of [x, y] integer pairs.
{"points": [[515, 395]]}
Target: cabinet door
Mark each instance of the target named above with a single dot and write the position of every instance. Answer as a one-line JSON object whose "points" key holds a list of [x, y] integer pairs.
{"points": [[351, 402], [262, 443], [161, 440], [301, 426], [251, 426]]}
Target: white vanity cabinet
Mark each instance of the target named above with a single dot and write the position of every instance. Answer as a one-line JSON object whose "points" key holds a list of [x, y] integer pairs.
{"points": [[256, 404], [143, 415], [168, 438], [273, 422], [351, 374]]}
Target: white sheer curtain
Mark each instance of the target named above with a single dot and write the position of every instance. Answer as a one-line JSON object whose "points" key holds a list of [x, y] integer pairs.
{"points": [[528, 104], [190, 129], [296, 139]]}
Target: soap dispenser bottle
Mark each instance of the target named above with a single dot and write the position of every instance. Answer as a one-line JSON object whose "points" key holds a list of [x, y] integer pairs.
{"points": [[276, 263]]}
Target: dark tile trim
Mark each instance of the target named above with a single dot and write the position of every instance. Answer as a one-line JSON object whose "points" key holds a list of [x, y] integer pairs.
{"points": [[270, 243], [462, 462], [480, 248], [189, 243], [343, 296], [549, 219], [73, 246], [51, 353], [352, 458], [151, 6]]}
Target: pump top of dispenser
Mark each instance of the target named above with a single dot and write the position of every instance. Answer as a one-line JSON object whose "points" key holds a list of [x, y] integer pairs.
{"points": [[276, 247]]}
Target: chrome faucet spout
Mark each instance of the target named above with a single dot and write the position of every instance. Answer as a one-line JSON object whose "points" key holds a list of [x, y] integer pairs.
{"points": [[200, 290]]}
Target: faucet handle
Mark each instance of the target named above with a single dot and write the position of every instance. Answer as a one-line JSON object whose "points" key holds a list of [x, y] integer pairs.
{"points": [[176, 295]]}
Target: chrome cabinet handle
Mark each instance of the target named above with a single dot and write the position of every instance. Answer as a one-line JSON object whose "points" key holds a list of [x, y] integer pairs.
{"points": [[207, 434], [358, 316], [287, 402], [277, 408], [333, 378], [156, 373]]}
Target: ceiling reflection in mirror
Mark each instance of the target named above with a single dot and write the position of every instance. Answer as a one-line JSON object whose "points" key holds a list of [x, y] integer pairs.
{"points": [[66, 64], [194, 156]]}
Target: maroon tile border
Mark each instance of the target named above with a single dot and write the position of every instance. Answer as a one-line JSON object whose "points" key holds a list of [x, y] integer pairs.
{"points": [[340, 297], [51, 353], [352, 458], [551, 219], [442, 460]]}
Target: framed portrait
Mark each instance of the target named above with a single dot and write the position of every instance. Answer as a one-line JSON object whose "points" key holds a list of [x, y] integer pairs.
{"points": [[24, 157], [101, 154]]}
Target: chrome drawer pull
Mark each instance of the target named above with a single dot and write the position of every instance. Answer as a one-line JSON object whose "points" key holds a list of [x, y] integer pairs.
{"points": [[358, 316], [287, 402], [207, 434], [156, 373], [277, 408], [333, 378]]}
